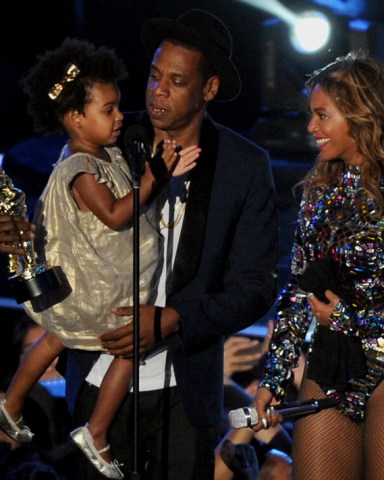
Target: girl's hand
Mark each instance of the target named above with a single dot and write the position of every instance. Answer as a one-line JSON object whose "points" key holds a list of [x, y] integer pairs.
{"points": [[186, 160], [170, 160], [168, 150]]}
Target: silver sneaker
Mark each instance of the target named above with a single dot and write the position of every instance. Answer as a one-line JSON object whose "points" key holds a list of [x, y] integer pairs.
{"points": [[84, 441], [21, 434]]}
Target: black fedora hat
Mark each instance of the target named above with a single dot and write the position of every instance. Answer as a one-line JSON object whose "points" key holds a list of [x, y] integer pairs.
{"points": [[204, 31]]}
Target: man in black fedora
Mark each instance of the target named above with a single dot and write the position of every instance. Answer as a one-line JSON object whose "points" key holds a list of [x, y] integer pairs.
{"points": [[218, 238]]}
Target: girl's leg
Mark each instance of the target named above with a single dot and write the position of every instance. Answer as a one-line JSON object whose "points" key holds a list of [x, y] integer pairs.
{"points": [[113, 389], [327, 444], [373, 436], [34, 364]]}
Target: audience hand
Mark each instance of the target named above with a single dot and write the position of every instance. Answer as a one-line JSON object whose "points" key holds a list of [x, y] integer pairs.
{"points": [[242, 354], [240, 459]]}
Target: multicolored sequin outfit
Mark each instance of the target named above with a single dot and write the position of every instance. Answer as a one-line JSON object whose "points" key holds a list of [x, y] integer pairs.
{"points": [[336, 222]]}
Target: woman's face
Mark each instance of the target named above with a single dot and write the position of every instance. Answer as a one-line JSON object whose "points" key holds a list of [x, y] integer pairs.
{"points": [[330, 130]]}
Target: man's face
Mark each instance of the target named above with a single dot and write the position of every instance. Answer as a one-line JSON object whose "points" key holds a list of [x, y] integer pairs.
{"points": [[176, 97]]}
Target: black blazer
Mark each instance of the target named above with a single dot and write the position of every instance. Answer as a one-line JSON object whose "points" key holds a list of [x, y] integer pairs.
{"points": [[224, 273]]}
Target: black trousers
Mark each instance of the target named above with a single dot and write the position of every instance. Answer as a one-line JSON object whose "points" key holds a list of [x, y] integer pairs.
{"points": [[169, 447]]}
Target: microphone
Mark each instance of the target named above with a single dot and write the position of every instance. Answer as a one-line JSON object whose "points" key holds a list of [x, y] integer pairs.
{"points": [[247, 416], [137, 148]]}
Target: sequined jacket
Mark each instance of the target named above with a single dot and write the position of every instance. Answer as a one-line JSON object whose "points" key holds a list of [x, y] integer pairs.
{"points": [[335, 222]]}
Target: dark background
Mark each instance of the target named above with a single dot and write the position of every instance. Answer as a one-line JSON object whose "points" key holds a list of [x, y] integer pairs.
{"points": [[271, 108], [271, 71]]}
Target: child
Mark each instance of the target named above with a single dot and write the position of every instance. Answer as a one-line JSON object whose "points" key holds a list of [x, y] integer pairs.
{"points": [[83, 224]]}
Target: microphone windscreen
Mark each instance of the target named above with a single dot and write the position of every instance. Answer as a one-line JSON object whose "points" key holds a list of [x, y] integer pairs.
{"points": [[243, 417], [136, 133]]}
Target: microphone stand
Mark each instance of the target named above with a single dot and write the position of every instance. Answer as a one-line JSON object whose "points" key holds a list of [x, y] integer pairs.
{"points": [[136, 318], [137, 150]]}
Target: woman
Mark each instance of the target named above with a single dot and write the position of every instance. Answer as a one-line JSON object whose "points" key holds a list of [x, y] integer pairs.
{"points": [[337, 278]]}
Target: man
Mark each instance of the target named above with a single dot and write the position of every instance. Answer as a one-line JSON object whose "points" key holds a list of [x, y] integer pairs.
{"points": [[218, 238]]}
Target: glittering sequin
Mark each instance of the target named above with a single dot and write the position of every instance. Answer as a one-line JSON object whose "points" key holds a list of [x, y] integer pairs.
{"points": [[337, 221]]}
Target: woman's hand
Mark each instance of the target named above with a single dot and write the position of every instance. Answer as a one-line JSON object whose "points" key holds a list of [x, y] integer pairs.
{"points": [[322, 311], [266, 414]]}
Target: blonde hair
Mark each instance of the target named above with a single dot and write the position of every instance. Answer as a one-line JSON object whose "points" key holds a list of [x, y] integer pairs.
{"points": [[355, 83]]}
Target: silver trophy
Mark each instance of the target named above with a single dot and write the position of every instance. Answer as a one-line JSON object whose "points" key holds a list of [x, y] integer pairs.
{"points": [[29, 279]]}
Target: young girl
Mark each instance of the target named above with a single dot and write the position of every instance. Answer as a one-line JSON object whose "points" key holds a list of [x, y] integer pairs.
{"points": [[83, 224]]}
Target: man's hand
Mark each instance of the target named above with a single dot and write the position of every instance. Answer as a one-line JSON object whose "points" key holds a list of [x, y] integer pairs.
{"points": [[120, 342], [12, 230]]}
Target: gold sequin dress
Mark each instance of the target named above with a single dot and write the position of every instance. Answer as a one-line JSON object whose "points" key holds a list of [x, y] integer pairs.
{"points": [[97, 261]]}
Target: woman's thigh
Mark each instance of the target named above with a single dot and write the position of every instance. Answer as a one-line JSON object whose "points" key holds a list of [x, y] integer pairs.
{"points": [[327, 444]]}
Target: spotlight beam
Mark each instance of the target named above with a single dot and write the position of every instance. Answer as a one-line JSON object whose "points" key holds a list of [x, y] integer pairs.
{"points": [[310, 30], [274, 7]]}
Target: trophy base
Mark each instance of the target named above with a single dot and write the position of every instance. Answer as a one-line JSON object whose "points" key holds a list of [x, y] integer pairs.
{"points": [[26, 289]]}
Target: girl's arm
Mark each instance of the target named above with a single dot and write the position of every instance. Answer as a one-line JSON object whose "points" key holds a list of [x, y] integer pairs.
{"points": [[114, 212]]}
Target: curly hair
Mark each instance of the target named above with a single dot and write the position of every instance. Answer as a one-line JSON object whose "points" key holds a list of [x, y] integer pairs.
{"points": [[355, 83], [95, 65]]}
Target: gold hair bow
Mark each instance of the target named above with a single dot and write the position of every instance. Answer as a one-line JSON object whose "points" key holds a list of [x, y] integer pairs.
{"points": [[71, 73]]}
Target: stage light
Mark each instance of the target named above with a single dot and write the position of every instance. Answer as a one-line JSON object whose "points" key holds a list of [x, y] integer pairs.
{"points": [[310, 32]]}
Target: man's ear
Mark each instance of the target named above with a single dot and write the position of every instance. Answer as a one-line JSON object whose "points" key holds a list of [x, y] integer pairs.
{"points": [[211, 88]]}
